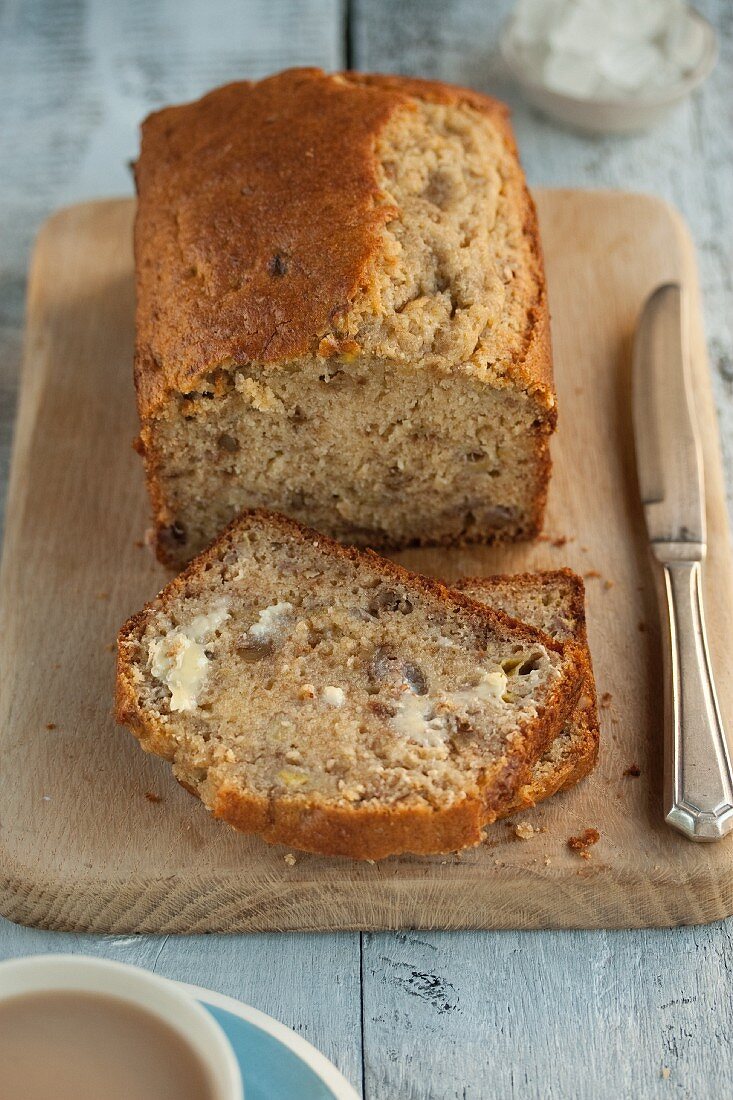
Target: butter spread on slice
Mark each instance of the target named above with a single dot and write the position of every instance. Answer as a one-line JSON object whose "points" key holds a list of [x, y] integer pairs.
{"points": [[334, 696], [270, 622], [492, 685], [179, 661], [426, 721]]}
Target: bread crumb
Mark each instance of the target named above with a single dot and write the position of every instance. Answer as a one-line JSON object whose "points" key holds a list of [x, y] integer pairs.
{"points": [[608, 584], [153, 797], [45, 798], [139, 544], [562, 540], [633, 770], [665, 1073], [101, 596], [641, 626], [110, 647], [582, 843], [524, 830], [606, 700], [50, 725], [372, 862], [290, 859], [592, 575], [260, 396]]}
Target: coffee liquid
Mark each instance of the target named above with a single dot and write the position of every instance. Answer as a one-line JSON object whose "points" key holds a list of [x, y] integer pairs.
{"points": [[86, 1046]]}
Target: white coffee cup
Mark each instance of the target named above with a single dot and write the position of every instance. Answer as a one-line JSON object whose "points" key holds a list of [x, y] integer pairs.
{"points": [[162, 998]]}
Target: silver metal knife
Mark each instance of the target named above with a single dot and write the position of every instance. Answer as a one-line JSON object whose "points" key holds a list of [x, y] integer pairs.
{"points": [[698, 779]]}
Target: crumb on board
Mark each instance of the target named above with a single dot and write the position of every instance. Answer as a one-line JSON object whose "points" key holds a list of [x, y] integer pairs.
{"points": [[606, 700], [101, 596], [641, 626], [548, 861], [592, 575], [153, 797], [581, 844], [524, 830], [110, 647], [665, 1073], [633, 771], [51, 725], [139, 544], [608, 584], [556, 540], [290, 859]]}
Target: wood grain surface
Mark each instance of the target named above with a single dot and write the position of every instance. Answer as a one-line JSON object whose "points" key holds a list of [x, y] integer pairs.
{"points": [[98, 836], [556, 1016]]}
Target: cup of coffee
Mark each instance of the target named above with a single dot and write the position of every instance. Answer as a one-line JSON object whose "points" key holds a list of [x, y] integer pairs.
{"points": [[78, 1028]]}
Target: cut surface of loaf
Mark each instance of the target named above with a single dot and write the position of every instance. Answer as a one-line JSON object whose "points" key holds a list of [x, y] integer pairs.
{"points": [[341, 314], [553, 602], [329, 700]]}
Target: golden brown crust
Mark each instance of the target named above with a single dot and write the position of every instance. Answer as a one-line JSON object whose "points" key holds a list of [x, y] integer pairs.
{"points": [[370, 833], [288, 166], [363, 832]]}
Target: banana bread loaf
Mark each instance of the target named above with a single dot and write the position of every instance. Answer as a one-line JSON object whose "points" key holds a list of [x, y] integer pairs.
{"points": [[330, 700], [341, 314]]}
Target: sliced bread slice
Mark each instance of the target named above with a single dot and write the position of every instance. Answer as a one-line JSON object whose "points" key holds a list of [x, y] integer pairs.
{"points": [[553, 602], [329, 700]]}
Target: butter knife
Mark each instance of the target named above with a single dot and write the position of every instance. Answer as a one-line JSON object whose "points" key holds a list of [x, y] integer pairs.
{"points": [[698, 780]]}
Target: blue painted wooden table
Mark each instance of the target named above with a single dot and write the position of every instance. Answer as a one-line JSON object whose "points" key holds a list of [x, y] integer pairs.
{"points": [[459, 1015]]}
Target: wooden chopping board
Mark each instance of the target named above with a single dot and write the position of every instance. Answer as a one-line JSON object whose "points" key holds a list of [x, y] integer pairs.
{"points": [[95, 835]]}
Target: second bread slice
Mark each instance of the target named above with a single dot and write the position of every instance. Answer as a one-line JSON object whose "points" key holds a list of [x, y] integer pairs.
{"points": [[553, 602], [330, 700]]}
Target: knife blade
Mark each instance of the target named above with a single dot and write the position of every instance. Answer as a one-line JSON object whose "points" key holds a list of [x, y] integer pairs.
{"points": [[698, 778], [668, 456]]}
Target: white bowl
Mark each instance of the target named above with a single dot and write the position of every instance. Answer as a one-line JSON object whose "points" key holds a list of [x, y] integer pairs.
{"points": [[610, 116], [166, 1000]]}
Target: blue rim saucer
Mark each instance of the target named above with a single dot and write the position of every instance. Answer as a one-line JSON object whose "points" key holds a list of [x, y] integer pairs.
{"points": [[276, 1063]]}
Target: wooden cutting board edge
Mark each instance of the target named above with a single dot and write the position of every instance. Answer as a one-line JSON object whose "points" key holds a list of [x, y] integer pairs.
{"points": [[599, 898]]}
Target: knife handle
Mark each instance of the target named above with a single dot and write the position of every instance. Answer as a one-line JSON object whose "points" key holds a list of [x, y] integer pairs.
{"points": [[698, 779]]}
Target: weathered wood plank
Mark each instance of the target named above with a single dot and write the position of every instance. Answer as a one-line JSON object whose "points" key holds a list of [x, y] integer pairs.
{"points": [[565, 1016], [540, 1016], [309, 982]]}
